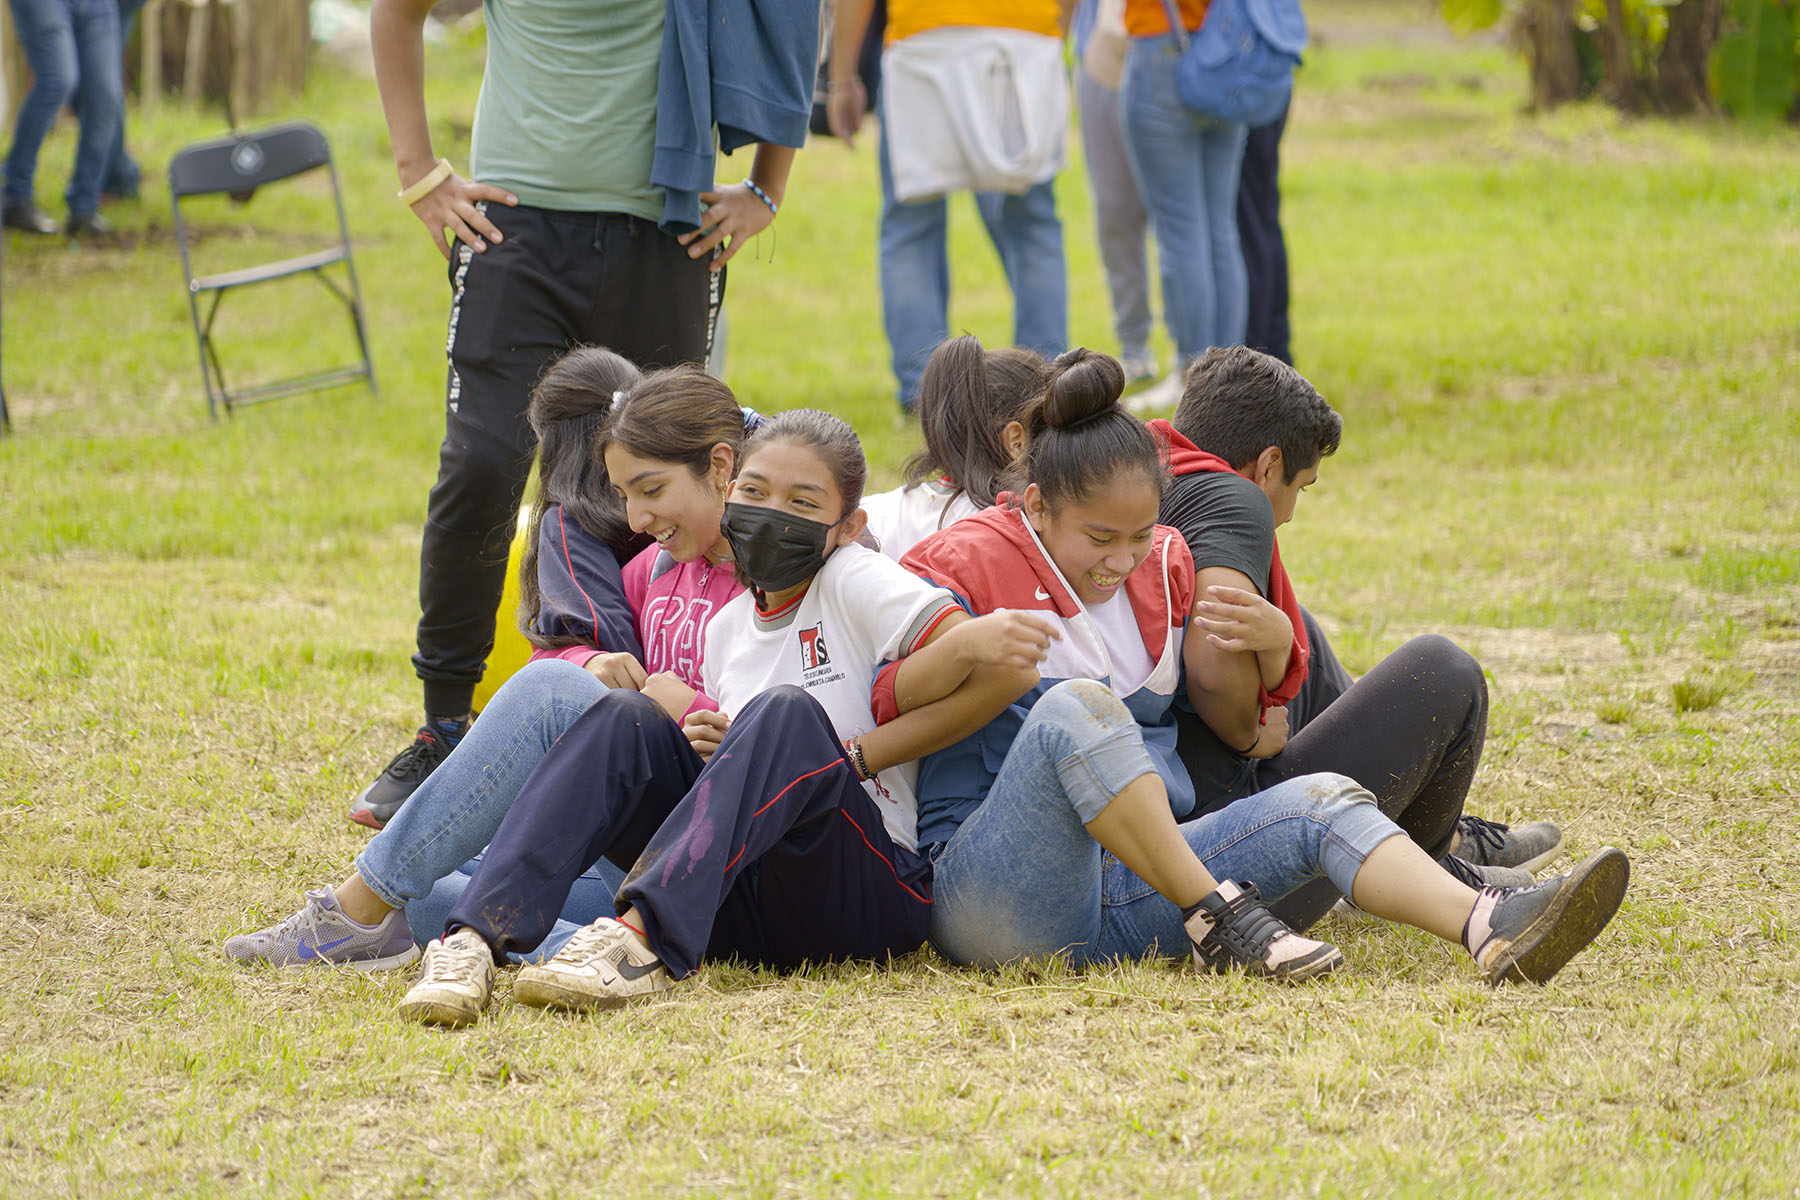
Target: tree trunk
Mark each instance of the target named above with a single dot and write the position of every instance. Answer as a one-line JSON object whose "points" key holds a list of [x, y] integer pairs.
{"points": [[1681, 67], [1619, 82], [1549, 30]]}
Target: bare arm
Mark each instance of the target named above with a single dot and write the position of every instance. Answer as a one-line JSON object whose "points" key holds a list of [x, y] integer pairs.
{"points": [[960, 644], [847, 100], [1223, 685], [397, 36], [982, 696], [734, 213]]}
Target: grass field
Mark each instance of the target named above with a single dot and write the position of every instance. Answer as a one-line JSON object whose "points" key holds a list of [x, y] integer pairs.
{"points": [[1567, 349]]}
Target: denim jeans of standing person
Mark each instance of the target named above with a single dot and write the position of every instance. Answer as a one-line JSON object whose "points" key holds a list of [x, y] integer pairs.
{"points": [[1119, 217], [412, 863], [70, 44], [122, 177], [1187, 169], [915, 272], [1022, 877]]}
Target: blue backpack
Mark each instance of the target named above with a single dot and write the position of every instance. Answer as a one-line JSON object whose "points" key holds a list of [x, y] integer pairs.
{"points": [[1239, 67]]}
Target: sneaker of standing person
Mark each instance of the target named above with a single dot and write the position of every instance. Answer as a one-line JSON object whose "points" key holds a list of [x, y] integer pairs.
{"points": [[1529, 847], [1158, 397], [603, 966], [27, 216], [90, 225], [376, 805], [1479, 877], [455, 981], [320, 935], [1231, 927], [1139, 365], [1526, 935]]}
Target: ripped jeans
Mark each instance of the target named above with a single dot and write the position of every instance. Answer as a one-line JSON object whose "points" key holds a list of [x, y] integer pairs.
{"points": [[1022, 877]]}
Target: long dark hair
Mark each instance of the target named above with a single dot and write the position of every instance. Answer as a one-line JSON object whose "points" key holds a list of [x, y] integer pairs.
{"points": [[1077, 434], [967, 397], [568, 408]]}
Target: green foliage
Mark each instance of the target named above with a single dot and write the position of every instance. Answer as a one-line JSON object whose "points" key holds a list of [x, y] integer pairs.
{"points": [[1756, 66], [1472, 16]]}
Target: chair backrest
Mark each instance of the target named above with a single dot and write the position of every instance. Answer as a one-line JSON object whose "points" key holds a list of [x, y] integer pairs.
{"points": [[246, 161]]}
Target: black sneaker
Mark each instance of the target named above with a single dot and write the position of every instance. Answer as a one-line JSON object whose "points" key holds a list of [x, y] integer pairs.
{"points": [[378, 803], [1532, 931], [90, 225], [1490, 844], [24, 215], [1233, 928]]}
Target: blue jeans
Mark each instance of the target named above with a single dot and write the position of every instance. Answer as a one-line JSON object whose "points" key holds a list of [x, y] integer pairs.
{"points": [[1187, 170], [455, 812], [590, 899], [71, 45], [1119, 217], [915, 272], [1023, 877]]}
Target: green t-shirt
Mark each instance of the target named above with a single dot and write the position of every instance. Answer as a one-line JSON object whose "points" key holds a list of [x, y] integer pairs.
{"points": [[567, 114]]}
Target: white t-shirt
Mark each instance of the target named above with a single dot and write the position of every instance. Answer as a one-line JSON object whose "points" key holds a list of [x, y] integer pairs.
{"points": [[1118, 625], [861, 610], [906, 516]]}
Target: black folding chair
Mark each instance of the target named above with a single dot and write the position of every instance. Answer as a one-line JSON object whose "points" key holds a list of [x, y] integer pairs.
{"points": [[237, 166]]}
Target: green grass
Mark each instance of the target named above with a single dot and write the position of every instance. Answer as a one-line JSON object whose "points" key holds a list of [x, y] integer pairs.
{"points": [[1566, 352]]}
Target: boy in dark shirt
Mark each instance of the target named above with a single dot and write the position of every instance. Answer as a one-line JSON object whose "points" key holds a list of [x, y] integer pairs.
{"points": [[1267, 699]]}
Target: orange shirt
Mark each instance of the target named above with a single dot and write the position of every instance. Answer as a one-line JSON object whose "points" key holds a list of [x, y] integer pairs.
{"points": [[907, 17], [1146, 18]]}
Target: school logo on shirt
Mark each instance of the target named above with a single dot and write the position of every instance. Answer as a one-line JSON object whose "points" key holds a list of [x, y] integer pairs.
{"points": [[813, 653]]}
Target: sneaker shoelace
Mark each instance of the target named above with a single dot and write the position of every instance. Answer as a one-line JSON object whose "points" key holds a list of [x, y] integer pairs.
{"points": [[303, 926], [1246, 929], [419, 759], [1491, 835], [453, 960], [590, 943], [1464, 872]]}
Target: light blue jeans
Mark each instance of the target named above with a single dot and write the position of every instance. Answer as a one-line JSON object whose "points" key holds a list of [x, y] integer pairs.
{"points": [[1022, 877], [73, 49], [1187, 169], [915, 272], [414, 862]]}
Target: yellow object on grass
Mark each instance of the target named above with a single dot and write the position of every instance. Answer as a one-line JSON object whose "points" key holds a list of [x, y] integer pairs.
{"points": [[511, 651]]}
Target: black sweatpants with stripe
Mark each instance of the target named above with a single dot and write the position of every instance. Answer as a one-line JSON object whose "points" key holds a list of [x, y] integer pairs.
{"points": [[771, 852], [556, 280]]}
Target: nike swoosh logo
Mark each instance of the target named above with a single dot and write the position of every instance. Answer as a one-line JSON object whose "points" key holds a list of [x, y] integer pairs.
{"points": [[631, 970], [310, 952], [1042, 594]]}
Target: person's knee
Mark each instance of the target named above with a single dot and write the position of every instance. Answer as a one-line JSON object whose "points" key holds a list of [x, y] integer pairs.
{"points": [[1437, 656], [784, 707], [1076, 703]]}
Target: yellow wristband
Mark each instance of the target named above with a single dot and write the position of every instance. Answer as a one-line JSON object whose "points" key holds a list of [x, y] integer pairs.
{"points": [[425, 184]]}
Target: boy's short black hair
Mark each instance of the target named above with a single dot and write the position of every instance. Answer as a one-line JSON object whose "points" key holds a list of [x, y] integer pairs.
{"points": [[1237, 402]]}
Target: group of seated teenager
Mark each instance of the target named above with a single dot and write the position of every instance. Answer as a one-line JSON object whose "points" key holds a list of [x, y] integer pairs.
{"points": [[1054, 696]]}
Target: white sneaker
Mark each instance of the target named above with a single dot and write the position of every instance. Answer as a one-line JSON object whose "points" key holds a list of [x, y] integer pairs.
{"points": [[602, 966], [1139, 366], [455, 982], [1164, 395]]}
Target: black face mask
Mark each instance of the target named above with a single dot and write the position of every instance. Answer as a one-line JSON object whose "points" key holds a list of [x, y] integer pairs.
{"points": [[774, 550]]}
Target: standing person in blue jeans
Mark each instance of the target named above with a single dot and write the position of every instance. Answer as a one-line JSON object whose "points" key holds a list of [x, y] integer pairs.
{"points": [[915, 265], [73, 48], [1054, 829], [1187, 168]]}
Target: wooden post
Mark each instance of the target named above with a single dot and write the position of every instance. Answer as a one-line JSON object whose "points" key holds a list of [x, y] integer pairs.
{"points": [[150, 70], [193, 69], [242, 68]]}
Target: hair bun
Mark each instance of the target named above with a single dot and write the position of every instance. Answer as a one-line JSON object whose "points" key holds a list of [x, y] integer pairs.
{"points": [[1082, 386]]}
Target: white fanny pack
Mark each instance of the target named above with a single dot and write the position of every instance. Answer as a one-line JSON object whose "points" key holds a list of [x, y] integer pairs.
{"points": [[973, 109]]}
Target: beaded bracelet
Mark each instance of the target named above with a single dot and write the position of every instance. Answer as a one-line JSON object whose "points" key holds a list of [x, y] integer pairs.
{"points": [[858, 763], [774, 209], [425, 184]]}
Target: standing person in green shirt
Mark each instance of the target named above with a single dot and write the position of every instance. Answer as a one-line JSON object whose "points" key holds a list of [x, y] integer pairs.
{"points": [[553, 240]]}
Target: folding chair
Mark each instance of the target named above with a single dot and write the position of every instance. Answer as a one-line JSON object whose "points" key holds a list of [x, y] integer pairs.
{"points": [[237, 166]]}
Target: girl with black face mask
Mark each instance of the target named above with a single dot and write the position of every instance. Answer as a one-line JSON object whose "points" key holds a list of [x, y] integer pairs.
{"points": [[780, 829]]}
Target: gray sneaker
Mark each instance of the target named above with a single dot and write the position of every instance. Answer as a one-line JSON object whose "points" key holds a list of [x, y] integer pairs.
{"points": [[1479, 877], [1528, 847], [320, 935], [1529, 933]]}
